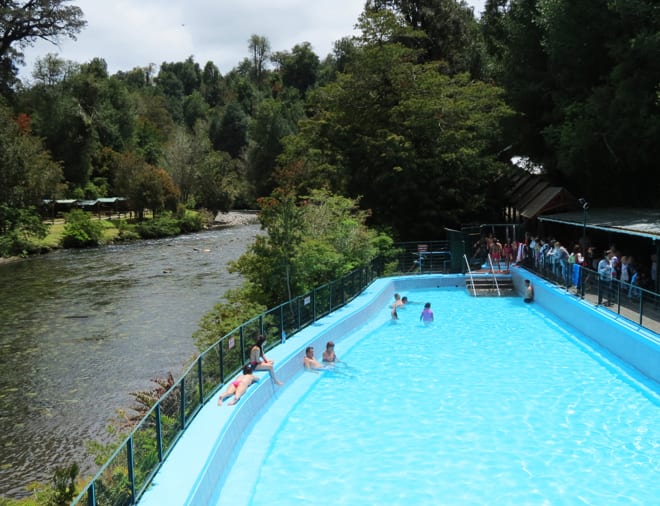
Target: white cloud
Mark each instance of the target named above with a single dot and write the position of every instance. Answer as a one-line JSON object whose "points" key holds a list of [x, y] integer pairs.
{"points": [[136, 33]]}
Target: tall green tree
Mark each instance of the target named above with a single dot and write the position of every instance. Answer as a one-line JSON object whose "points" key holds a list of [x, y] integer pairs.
{"points": [[299, 68], [450, 31], [259, 47], [228, 131], [311, 240], [24, 22], [417, 144], [583, 77], [273, 120], [27, 175]]}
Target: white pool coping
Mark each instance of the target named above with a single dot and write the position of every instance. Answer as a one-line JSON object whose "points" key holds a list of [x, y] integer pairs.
{"points": [[198, 463]]}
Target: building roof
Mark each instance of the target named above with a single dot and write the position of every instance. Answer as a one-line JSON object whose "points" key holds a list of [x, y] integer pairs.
{"points": [[639, 222], [532, 195]]}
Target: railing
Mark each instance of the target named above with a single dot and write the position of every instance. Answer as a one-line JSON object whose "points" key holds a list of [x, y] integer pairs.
{"points": [[124, 477], [492, 271], [428, 257], [467, 262], [631, 301]]}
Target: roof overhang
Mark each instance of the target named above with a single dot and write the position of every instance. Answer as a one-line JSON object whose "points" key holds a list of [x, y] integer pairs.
{"points": [[638, 222]]}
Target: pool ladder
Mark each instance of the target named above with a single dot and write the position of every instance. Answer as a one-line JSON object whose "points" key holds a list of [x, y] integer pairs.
{"points": [[489, 285]]}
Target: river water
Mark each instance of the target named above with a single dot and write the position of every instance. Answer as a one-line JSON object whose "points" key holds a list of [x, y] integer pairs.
{"points": [[81, 330]]}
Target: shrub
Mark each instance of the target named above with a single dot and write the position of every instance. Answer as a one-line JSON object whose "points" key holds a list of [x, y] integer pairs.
{"points": [[80, 230], [164, 225], [191, 221]]}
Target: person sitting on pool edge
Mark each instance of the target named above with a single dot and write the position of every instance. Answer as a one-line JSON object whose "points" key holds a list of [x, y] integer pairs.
{"points": [[309, 360], [238, 387], [529, 291], [258, 359]]}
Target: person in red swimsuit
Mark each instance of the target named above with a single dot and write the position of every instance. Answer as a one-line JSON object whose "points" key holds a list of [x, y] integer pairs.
{"points": [[238, 387]]}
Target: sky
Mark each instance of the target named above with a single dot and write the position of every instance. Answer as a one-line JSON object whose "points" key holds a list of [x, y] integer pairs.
{"points": [[136, 33]]}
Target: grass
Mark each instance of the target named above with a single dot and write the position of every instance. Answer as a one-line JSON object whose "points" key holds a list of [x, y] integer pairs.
{"points": [[53, 239]]}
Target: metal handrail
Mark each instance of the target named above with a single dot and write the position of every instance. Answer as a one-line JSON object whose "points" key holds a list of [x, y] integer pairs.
{"points": [[128, 472], [639, 305], [492, 270], [467, 262]]}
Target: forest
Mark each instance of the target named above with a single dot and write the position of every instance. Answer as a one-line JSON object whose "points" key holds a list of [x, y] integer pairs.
{"points": [[416, 118]]}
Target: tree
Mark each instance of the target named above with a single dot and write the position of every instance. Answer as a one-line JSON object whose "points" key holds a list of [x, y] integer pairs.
{"points": [[274, 119], [219, 182], [417, 144], [183, 156], [311, 240], [260, 50], [27, 175], [583, 78], [24, 22], [228, 132], [299, 68], [451, 33]]}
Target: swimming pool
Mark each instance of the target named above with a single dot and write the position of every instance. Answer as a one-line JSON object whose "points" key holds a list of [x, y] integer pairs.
{"points": [[493, 403]]}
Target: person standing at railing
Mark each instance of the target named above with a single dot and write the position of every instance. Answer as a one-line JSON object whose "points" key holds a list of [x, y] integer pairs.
{"points": [[605, 279], [258, 359], [562, 259]]}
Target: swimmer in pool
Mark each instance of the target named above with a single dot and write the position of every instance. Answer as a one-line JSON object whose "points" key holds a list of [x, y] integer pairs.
{"points": [[427, 314], [329, 356], [309, 361], [238, 387]]}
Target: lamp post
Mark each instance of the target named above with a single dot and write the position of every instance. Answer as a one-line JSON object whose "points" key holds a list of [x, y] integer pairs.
{"points": [[585, 208]]}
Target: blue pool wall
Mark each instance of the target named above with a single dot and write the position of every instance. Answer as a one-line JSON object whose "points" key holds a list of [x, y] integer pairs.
{"points": [[197, 465], [637, 346]]}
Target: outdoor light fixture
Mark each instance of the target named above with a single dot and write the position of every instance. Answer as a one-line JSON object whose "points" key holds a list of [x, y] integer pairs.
{"points": [[584, 204]]}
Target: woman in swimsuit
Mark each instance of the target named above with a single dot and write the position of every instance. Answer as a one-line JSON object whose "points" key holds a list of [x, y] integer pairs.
{"points": [[238, 387], [329, 355], [258, 360]]}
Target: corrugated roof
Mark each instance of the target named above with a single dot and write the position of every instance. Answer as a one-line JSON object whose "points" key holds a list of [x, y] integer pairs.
{"points": [[547, 200], [639, 222]]}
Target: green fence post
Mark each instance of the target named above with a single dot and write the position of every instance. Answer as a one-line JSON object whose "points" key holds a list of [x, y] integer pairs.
{"points": [[199, 379], [131, 470], [183, 403], [159, 433], [314, 305], [242, 335], [91, 494], [221, 362]]}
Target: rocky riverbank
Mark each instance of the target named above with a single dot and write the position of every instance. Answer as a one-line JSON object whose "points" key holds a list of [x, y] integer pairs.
{"points": [[236, 218]]}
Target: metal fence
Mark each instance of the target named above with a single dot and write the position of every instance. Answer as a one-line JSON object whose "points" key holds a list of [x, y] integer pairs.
{"points": [[124, 477], [424, 257], [635, 303]]}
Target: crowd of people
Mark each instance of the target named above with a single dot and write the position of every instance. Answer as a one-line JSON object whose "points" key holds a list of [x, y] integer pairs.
{"points": [[553, 259]]}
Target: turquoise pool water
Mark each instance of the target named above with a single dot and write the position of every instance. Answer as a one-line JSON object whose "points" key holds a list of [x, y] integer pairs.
{"points": [[493, 403]]}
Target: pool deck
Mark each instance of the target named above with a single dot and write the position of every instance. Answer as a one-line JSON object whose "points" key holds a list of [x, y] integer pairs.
{"points": [[201, 458]]}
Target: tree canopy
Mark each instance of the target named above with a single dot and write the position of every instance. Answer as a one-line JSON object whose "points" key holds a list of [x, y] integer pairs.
{"points": [[22, 23], [410, 117]]}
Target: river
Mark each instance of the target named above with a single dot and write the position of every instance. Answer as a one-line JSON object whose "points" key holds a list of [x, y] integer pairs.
{"points": [[81, 330]]}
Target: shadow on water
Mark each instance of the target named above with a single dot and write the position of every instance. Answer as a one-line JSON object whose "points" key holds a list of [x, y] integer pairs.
{"points": [[80, 330]]}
